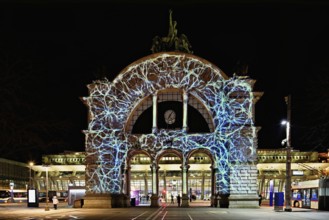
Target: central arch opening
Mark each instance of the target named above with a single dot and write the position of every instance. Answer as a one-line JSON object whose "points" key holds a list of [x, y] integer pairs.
{"points": [[199, 178], [170, 177]]}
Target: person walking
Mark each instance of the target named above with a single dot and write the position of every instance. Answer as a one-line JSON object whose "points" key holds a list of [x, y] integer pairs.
{"points": [[260, 199], [178, 200], [55, 202], [172, 199]]}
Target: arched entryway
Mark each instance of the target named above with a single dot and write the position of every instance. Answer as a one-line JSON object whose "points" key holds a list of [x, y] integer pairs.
{"points": [[139, 181], [170, 175], [200, 182], [170, 179]]}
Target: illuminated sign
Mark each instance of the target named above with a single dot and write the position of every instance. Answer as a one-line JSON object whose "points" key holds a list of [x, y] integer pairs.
{"points": [[32, 196]]}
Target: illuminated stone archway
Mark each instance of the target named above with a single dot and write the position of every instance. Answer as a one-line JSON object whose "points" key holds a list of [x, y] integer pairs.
{"points": [[165, 168], [201, 163], [230, 101], [137, 176]]}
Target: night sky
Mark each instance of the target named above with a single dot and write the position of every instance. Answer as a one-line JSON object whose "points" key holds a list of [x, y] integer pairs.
{"points": [[50, 51]]}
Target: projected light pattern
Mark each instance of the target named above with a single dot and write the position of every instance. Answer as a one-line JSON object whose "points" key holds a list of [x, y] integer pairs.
{"points": [[111, 104]]}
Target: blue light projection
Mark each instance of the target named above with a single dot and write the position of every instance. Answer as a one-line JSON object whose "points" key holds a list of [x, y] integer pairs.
{"points": [[111, 104]]}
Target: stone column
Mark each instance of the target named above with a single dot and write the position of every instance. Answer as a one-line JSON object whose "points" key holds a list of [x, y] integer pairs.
{"points": [[185, 107], [155, 112], [155, 185], [202, 185], [261, 182], [146, 184], [127, 185], [185, 198], [120, 199], [223, 182], [267, 187], [127, 180], [164, 185], [214, 191], [262, 185]]}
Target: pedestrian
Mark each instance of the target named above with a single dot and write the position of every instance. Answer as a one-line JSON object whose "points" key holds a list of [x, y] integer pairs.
{"points": [[178, 200], [172, 199], [260, 199], [55, 202]]}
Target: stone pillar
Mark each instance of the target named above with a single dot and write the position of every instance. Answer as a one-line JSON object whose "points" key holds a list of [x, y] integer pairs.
{"points": [[202, 185], [223, 187], [266, 188], [261, 182], [214, 171], [155, 113], [243, 187], [127, 185], [118, 200], [185, 107], [164, 186], [110, 200], [185, 198], [123, 180], [94, 199], [146, 184], [155, 185]]}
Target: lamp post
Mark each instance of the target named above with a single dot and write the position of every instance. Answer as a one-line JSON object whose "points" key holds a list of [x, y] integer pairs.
{"points": [[288, 161], [30, 179], [47, 205]]}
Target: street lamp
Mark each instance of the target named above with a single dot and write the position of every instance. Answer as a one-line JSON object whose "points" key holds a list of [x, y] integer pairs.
{"points": [[288, 161], [47, 205], [30, 179]]}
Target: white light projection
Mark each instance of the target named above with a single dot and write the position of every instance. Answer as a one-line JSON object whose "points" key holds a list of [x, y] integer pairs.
{"points": [[111, 103]]}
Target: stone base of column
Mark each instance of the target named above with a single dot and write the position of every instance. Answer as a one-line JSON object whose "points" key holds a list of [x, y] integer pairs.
{"points": [[223, 200], [127, 202], [106, 201], [185, 200], [155, 201], [213, 201], [120, 200], [244, 201], [97, 201]]}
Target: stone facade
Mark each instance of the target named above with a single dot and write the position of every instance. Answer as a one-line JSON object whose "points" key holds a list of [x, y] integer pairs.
{"points": [[169, 79], [244, 189]]}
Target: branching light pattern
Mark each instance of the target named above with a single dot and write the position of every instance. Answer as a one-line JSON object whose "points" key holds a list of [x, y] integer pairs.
{"points": [[229, 101]]}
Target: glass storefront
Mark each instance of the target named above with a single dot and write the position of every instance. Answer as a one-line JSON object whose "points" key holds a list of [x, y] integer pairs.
{"points": [[170, 178]]}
